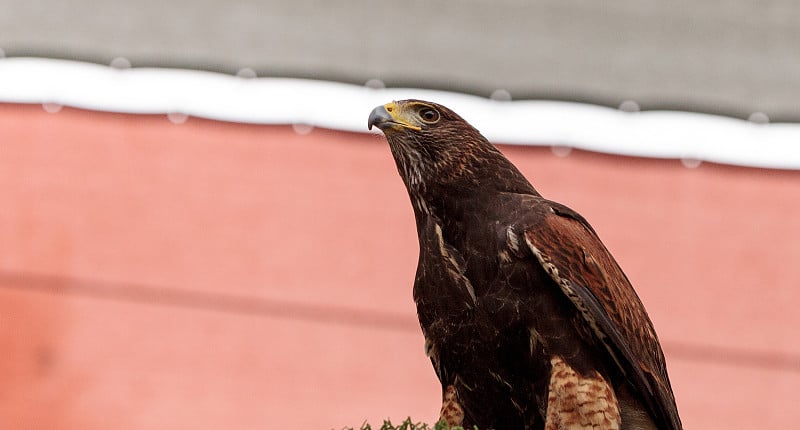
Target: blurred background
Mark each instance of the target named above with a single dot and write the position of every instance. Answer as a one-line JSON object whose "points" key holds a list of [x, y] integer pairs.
{"points": [[197, 231]]}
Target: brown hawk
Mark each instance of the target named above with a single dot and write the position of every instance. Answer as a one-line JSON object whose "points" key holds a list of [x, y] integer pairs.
{"points": [[528, 320]]}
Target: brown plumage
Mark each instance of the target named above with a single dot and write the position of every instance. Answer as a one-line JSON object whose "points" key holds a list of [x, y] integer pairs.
{"points": [[528, 320]]}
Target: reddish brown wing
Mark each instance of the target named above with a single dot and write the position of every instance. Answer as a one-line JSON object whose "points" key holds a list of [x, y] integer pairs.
{"points": [[573, 255]]}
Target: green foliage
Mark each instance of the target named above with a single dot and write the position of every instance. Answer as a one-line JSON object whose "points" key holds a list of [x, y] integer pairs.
{"points": [[410, 425]]}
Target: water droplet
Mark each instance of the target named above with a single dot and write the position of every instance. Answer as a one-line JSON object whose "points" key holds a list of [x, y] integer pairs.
{"points": [[561, 150], [302, 128], [691, 163], [120, 63], [247, 73], [500, 95], [375, 84], [629, 106], [52, 107], [759, 118], [177, 117]]}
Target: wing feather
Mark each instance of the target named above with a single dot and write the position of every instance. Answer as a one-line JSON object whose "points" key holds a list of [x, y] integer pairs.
{"points": [[572, 254]]}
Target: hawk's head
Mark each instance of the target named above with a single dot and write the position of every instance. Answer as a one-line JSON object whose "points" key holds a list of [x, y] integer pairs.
{"points": [[433, 146], [414, 115], [426, 128]]}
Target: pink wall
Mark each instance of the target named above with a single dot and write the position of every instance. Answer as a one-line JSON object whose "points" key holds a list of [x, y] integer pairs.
{"points": [[210, 275]]}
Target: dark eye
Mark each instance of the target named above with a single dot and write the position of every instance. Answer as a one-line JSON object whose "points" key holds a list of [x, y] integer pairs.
{"points": [[429, 115]]}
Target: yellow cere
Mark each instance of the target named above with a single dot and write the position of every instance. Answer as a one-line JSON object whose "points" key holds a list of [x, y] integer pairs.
{"points": [[396, 112]]}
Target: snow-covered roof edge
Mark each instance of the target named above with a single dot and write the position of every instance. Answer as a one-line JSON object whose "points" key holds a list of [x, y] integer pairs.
{"points": [[660, 134]]}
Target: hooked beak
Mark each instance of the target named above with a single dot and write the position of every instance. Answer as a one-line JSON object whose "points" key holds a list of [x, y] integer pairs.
{"points": [[390, 117], [380, 117]]}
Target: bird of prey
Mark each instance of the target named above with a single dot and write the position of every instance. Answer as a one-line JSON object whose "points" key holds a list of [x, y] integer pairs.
{"points": [[528, 320]]}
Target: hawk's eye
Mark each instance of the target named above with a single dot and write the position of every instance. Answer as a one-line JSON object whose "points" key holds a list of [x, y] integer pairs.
{"points": [[429, 115]]}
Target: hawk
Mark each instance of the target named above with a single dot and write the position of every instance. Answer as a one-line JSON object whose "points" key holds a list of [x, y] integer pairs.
{"points": [[528, 320]]}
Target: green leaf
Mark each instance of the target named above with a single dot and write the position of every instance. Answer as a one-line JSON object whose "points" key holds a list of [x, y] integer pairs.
{"points": [[408, 424]]}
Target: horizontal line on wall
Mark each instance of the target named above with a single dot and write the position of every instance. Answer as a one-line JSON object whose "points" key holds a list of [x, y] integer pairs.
{"points": [[331, 314]]}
